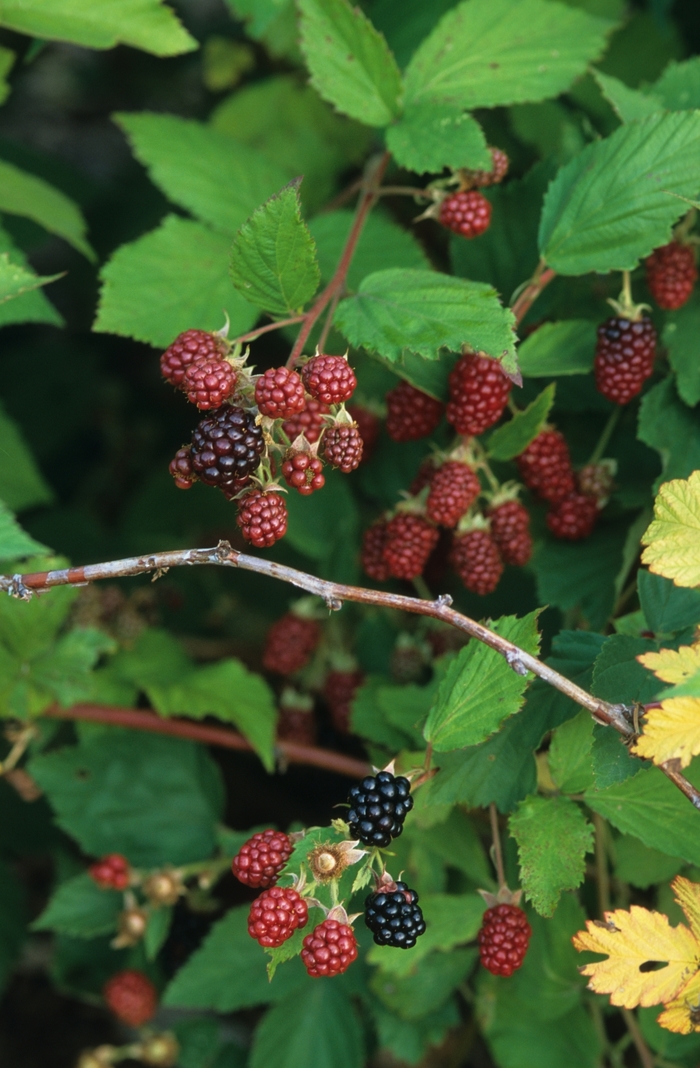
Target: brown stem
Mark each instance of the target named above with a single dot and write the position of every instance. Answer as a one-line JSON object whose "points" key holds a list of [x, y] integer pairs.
{"points": [[404, 191], [497, 853], [329, 320], [645, 1054], [334, 593], [524, 301], [252, 334]]}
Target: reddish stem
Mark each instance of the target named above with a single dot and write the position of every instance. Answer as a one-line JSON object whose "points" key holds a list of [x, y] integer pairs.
{"points": [[521, 306], [252, 334]]}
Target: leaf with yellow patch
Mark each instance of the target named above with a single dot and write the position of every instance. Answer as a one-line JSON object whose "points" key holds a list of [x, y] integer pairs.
{"points": [[673, 538], [673, 665], [682, 1015], [671, 731], [687, 895]]}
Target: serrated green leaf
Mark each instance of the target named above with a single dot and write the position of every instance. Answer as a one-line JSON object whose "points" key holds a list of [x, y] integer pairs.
{"points": [[667, 425], [610, 758], [509, 440], [417, 995], [64, 670], [450, 919], [430, 136], [504, 52], [570, 754], [157, 930], [15, 542], [409, 1041], [546, 872], [680, 335], [289, 949], [678, 88], [667, 607], [480, 690], [273, 260], [628, 104], [146, 24], [7, 59], [33, 198], [565, 348], [642, 867], [172, 279], [610, 206], [79, 908], [21, 483], [29, 628], [383, 244], [321, 1018], [16, 280], [349, 61], [617, 674], [199, 1040], [423, 311], [29, 307]]}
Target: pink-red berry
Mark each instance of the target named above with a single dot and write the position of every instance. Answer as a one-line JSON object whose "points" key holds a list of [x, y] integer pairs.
{"points": [[226, 448], [339, 692], [453, 488], [372, 554], [467, 213], [342, 446], [510, 529], [545, 466], [477, 561], [411, 414], [479, 391], [296, 725], [671, 275], [499, 169], [310, 422], [330, 379], [303, 472], [289, 643], [132, 997], [574, 517], [503, 939], [330, 949], [276, 915], [186, 349], [262, 517], [624, 357], [209, 382], [424, 476], [410, 539], [181, 468], [279, 393], [112, 872], [369, 426], [595, 480], [260, 860]]}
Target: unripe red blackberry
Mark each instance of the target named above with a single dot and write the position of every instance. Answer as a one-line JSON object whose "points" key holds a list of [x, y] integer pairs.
{"points": [[289, 643], [573, 518], [467, 213], [410, 539], [672, 274], [209, 382], [624, 357], [262, 517], [453, 488], [498, 171], [503, 939], [276, 915], [310, 422], [132, 997], [187, 348], [411, 414], [112, 872], [424, 476], [545, 466], [279, 393], [369, 426], [394, 916], [479, 390], [181, 468], [477, 561], [226, 448], [303, 472], [372, 555], [260, 860], [339, 692], [510, 529], [342, 446], [296, 725], [596, 479], [330, 949], [329, 379]]}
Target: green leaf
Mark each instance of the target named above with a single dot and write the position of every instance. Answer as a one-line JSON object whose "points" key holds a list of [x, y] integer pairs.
{"points": [[32, 306], [7, 59], [509, 440], [15, 542], [375, 702], [424, 312], [505, 52], [565, 348], [667, 607], [199, 1041], [666, 424], [154, 799], [12, 920], [157, 930], [430, 136], [16, 280], [170, 280], [546, 872], [21, 483], [383, 243], [319, 525], [146, 24], [570, 754], [28, 628], [289, 949], [610, 206], [643, 867], [409, 1040], [680, 335], [610, 758], [64, 669], [628, 104], [619, 677], [319, 1018], [480, 690], [450, 920], [273, 260], [678, 88], [228, 691], [415, 996], [223, 182], [78, 907], [25, 194], [349, 61]]}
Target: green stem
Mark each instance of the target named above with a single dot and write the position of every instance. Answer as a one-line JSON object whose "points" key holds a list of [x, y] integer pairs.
{"points": [[421, 588], [601, 863], [605, 436], [497, 853], [626, 295]]}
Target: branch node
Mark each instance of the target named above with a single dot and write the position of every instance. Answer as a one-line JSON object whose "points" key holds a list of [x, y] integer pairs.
{"points": [[513, 660], [333, 604], [444, 600], [16, 588], [224, 551]]}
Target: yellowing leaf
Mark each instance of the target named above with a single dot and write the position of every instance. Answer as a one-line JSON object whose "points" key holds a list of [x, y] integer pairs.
{"points": [[673, 538], [632, 940], [687, 895], [671, 731], [682, 1015], [673, 665]]}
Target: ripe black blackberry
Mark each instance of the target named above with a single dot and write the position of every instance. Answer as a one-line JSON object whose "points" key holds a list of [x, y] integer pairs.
{"points": [[226, 448], [378, 807], [394, 916]]}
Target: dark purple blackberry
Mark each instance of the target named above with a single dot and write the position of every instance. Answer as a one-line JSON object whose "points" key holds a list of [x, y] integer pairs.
{"points": [[226, 448], [394, 917], [378, 807]]}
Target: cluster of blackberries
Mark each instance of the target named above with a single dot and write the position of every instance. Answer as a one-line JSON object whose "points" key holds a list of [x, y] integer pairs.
{"points": [[378, 808], [394, 916]]}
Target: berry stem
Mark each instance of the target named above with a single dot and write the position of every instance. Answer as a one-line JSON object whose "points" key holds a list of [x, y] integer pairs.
{"points": [[685, 226], [530, 292], [404, 191], [329, 320], [626, 295], [421, 588], [601, 865], [253, 334], [607, 432], [496, 852]]}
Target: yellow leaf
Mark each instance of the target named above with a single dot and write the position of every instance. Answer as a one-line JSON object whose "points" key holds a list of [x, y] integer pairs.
{"points": [[672, 665], [671, 731], [687, 895], [632, 940], [682, 1015], [673, 537]]}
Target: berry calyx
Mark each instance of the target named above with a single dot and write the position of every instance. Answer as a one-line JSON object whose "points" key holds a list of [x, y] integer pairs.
{"points": [[226, 448], [378, 807], [132, 997], [309, 422], [394, 916], [671, 275], [131, 927], [342, 446], [186, 349], [164, 887], [499, 169], [209, 382], [181, 468], [279, 393], [467, 213], [160, 1051], [329, 379], [289, 643], [503, 939], [479, 391], [510, 529], [276, 915], [339, 692], [411, 414], [545, 466], [477, 561], [624, 357], [410, 539], [330, 949], [573, 518], [111, 872], [262, 517], [303, 472], [453, 489], [372, 553], [260, 860]]}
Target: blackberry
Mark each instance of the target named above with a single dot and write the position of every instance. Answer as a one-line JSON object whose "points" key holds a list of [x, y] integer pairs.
{"points": [[262, 517], [453, 488], [411, 414], [181, 468], [342, 447], [479, 391], [290, 643], [545, 466], [395, 917], [303, 472], [503, 939], [209, 382], [573, 518], [260, 860], [330, 949], [330, 379], [410, 539], [279, 393], [624, 357], [477, 561], [378, 807], [499, 170], [132, 997], [186, 349], [372, 555], [467, 213], [339, 692], [226, 447], [510, 529], [672, 274], [309, 422]]}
